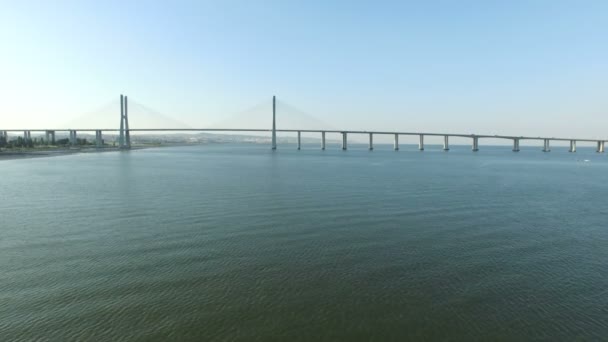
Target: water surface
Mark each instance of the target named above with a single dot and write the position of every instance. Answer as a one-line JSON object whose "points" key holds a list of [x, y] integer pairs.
{"points": [[235, 242]]}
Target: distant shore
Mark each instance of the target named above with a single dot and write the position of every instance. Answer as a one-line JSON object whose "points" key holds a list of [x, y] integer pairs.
{"points": [[12, 154], [54, 152]]}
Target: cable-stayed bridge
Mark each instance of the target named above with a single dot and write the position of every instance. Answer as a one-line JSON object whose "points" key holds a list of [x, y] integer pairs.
{"points": [[124, 132]]}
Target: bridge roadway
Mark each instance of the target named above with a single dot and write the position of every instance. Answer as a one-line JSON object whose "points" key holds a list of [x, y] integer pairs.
{"points": [[509, 137], [396, 134]]}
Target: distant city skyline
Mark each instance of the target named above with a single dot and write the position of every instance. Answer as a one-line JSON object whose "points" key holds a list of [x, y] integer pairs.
{"points": [[525, 68]]}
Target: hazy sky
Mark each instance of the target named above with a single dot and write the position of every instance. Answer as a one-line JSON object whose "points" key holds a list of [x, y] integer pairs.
{"points": [[512, 67]]}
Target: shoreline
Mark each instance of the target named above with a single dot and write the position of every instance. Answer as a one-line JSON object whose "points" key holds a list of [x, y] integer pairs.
{"points": [[55, 152], [29, 154]]}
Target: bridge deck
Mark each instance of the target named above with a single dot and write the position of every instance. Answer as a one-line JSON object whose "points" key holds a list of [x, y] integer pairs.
{"points": [[510, 137]]}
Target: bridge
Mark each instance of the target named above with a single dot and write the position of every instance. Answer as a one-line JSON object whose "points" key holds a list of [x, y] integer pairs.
{"points": [[125, 134]]}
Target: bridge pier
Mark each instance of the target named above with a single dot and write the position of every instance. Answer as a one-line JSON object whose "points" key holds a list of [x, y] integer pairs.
{"points": [[27, 136], [547, 146], [446, 143], [515, 145], [73, 138], [344, 141], [371, 141], [572, 146], [49, 137], [475, 147], [421, 143], [396, 144], [274, 124], [4, 135], [127, 131], [124, 140], [299, 140], [121, 136], [323, 141], [600, 147], [98, 139]]}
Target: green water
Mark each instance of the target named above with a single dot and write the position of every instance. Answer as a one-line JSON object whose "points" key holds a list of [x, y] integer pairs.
{"points": [[235, 242]]}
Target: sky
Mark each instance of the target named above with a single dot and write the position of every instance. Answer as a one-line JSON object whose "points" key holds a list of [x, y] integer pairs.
{"points": [[488, 67]]}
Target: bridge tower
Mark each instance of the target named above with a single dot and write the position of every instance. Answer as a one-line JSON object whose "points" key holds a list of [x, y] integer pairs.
{"points": [[274, 122], [124, 141]]}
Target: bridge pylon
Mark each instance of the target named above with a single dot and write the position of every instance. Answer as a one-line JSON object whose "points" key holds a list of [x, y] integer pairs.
{"points": [[274, 122], [124, 140]]}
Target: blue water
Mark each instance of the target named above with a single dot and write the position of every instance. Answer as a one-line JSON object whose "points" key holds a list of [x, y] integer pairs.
{"points": [[235, 242]]}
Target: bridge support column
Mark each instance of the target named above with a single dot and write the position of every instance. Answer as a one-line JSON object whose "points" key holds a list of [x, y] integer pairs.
{"points": [[98, 139], [475, 147], [446, 143], [396, 143], [121, 136], [299, 140], [344, 141], [52, 137], [371, 141], [572, 146], [600, 147], [124, 140], [274, 123], [323, 141], [515, 145], [127, 132], [73, 138], [27, 136], [421, 143], [4, 136], [547, 146]]}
